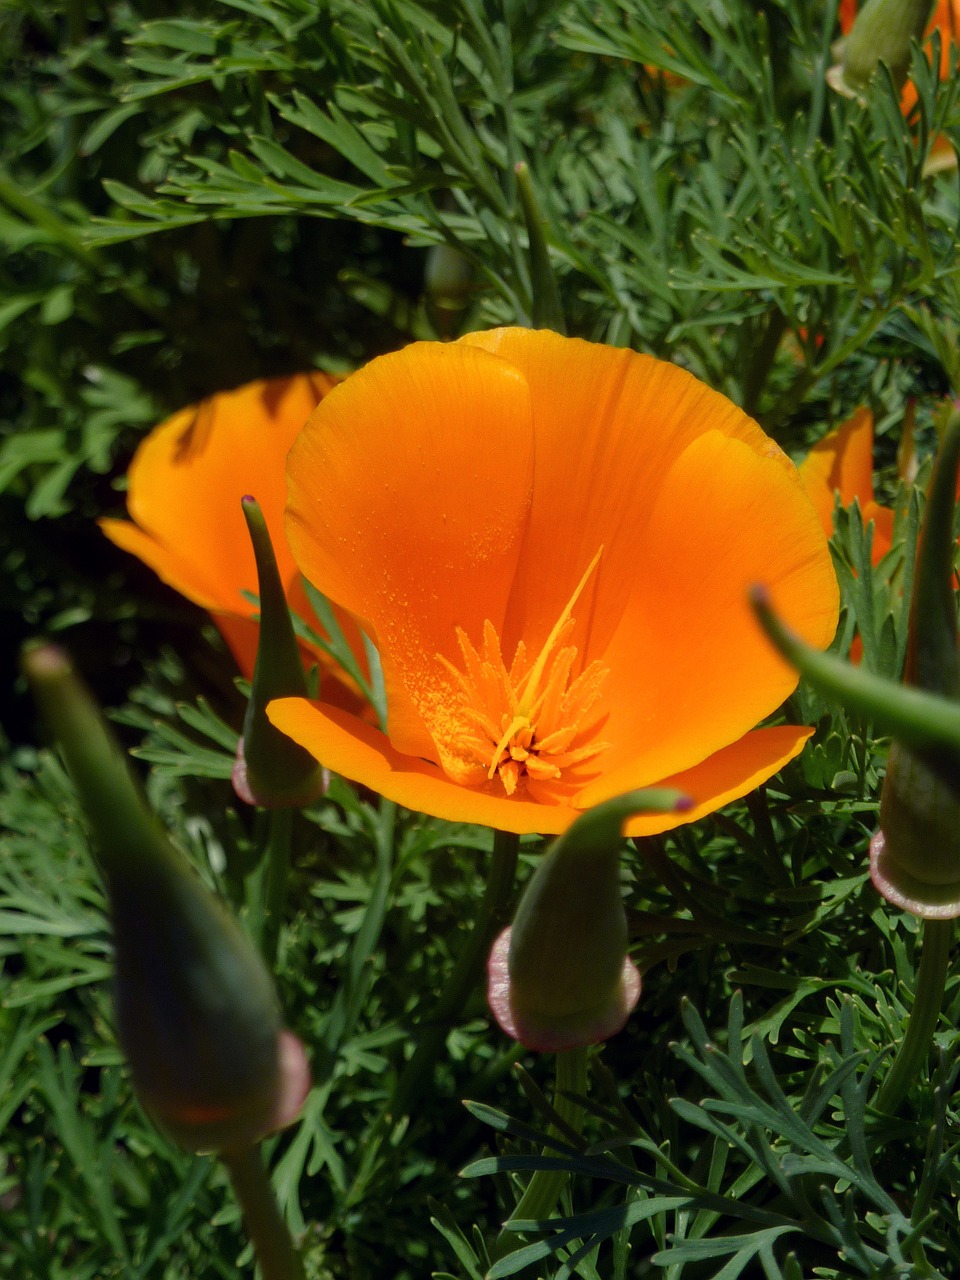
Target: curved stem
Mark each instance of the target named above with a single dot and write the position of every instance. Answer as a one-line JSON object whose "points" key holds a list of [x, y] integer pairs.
{"points": [[278, 1256], [927, 1003], [466, 972], [546, 1185]]}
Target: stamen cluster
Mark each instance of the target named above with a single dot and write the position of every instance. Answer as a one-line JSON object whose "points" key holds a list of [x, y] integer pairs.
{"points": [[525, 721]]}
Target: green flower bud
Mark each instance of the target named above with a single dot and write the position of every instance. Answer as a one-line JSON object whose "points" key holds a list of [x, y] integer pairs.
{"points": [[448, 286], [883, 32], [271, 770], [560, 976], [915, 856], [197, 1014]]}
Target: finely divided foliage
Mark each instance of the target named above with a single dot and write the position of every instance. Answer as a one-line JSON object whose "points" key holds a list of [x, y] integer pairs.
{"points": [[196, 197]]}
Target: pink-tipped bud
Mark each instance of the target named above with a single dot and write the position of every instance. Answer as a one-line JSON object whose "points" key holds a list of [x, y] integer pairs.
{"points": [[915, 856], [560, 976]]}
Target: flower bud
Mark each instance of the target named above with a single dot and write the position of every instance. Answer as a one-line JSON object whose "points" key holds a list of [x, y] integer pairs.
{"points": [[882, 32], [197, 1014], [271, 770], [560, 976], [448, 287], [915, 856]]}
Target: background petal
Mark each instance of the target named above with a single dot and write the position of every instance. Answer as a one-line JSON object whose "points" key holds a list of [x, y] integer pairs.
{"points": [[409, 496], [188, 476], [842, 462]]}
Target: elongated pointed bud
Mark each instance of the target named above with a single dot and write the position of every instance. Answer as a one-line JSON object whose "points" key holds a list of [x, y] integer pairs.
{"points": [[560, 976], [547, 310], [915, 856], [271, 770], [882, 32], [197, 1014]]}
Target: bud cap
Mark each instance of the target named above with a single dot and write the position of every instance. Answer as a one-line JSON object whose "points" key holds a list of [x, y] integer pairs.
{"points": [[560, 977]]}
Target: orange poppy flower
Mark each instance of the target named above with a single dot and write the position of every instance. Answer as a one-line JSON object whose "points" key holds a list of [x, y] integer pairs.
{"points": [[842, 463], [946, 20], [185, 485], [550, 541]]}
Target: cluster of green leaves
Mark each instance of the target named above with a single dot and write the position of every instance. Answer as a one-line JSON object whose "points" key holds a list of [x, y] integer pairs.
{"points": [[90, 1187], [100, 340], [707, 217], [770, 1171]]}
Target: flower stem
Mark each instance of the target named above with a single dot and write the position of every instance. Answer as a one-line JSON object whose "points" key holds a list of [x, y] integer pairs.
{"points": [[269, 883], [278, 1256], [466, 972], [546, 1185], [927, 1003]]}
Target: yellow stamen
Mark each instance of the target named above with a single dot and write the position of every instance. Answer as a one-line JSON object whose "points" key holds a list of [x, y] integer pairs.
{"points": [[528, 721]]}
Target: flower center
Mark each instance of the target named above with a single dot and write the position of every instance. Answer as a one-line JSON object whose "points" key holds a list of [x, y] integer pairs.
{"points": [[529, 720]]}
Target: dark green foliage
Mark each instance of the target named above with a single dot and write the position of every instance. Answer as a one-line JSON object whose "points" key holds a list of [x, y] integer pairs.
{"points": [[193, 196]]}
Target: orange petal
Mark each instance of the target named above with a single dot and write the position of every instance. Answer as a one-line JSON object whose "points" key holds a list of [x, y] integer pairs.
{"points": [[882, 518], [187, 478], [608, 423], [726, 776], [846, 13], [690, 670], [842, 462], [409, 494], [242, 636], [941, 157], [185, 485], [357, 751]]}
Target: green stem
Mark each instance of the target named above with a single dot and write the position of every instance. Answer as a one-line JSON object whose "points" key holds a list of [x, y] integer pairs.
{"points": [[765, 353], [546, 310], [278, 1256], [927, 1003], [279, 844], [546, 1185], [268, 884], [491, 918]]}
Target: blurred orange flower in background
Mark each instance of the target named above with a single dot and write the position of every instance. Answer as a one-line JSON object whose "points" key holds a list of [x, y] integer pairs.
{"points": [[185, 485], [550, 542], [842, 463]]}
